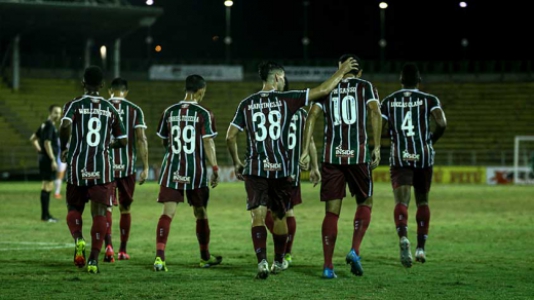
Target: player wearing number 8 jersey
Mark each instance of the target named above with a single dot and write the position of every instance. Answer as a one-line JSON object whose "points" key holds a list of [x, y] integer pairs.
{"points": [[408, 114], [187, 130], [346, 159], [90, 122]]}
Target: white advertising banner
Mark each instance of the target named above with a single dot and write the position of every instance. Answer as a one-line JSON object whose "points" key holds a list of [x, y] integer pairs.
{"points": [[505, 175], [304, 73], [209, 72]]}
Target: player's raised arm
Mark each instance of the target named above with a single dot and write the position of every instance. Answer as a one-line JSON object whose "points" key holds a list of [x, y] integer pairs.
{"points": [[142, 147], [324, 88], [231, 143], [308, 132], [441, 122]]}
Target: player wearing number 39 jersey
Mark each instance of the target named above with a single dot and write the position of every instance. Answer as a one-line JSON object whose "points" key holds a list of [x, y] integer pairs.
{"points": [[90, 122], [408, 114]]}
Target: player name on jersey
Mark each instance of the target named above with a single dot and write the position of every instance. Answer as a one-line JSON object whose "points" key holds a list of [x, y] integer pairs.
{"points": [[94, 111]]}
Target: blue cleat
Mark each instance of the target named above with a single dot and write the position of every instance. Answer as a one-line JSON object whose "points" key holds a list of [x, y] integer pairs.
{"points": [[355, 265], [329, 273]]}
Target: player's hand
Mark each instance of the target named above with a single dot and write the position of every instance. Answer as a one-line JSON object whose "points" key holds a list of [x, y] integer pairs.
{"points": [[54, 165], [349, 65], [214, 181], [143, 176], [238, 170], [376, 158], [64, 156], [304, 161], [315, 176]]}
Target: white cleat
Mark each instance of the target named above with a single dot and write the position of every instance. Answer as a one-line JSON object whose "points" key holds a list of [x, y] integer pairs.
{"points": [[263, 270], [277, 267], [405, 253], [285, 265], [420, 255]]}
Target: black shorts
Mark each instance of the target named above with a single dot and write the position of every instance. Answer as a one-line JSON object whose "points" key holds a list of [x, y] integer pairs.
{"points": [[336, 177], [197, 197], [100, 193], [273, 193], [45, 168], [125, 188], [421, 179]]}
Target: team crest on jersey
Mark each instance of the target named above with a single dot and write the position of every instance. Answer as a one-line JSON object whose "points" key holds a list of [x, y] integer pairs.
{"points": [[407, 156], [181, 179], [86, 175], [340, 152], [269, 166], [120, 168]]}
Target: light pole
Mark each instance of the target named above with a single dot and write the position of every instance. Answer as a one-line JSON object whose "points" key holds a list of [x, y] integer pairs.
{"points": [[305, 39], [228, 38], [382, 43], [465, 41]]}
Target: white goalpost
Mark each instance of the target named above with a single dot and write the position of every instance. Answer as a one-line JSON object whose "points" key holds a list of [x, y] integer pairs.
{"points": [[523, 160]]}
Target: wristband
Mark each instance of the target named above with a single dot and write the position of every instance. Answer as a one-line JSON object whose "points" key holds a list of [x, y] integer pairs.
{"points": [[215, 169]]}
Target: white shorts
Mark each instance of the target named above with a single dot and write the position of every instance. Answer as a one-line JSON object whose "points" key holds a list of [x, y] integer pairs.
{"points": [[61, 166]]}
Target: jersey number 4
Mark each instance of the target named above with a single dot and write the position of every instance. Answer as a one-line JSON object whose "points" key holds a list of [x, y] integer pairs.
{"points": [[407, 124]]}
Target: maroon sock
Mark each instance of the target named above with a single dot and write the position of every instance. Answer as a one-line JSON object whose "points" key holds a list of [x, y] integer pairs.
{"points": [[291, 230], [269, 222], [74, 221], [259, 239], [125, 223], [280, 241], [162, 233], [329, 235], [203, 236], [109, 220], [401, 219], [362, 219], [98, 232], [423, 222]]}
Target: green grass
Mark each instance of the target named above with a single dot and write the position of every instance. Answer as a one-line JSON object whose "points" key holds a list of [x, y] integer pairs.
{"points": [[480, 247]]}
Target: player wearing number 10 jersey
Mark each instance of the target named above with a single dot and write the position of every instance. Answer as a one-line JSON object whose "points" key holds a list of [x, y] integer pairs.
{"points": [[407, 113], [187, 130], [92, 121]]}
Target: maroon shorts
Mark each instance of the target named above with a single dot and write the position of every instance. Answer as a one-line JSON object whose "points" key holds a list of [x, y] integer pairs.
{"points": [[296, 196], [273, 193], [100, 193], [124, 189], [336, 177], [197, 197], [419, 178]]}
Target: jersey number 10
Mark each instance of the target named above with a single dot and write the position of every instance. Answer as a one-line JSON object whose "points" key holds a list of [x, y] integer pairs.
{"points": [[348, 110]]}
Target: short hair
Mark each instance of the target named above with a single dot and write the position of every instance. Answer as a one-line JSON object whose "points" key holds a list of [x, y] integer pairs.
{"points": [[266, 68], [51, 108], [286, 86], [93, 76], [193, 83], [410, 75], [346, 56], [119, 84]]}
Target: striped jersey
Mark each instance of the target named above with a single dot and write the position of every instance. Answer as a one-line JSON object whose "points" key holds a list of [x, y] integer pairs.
{"points": [[265, 116], [94, 122], [345, 128], [408, 114], [132, 117], [185, 125], [295, 132]]}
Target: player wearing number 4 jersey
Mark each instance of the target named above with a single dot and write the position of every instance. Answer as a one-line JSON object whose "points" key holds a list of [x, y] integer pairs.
{"points": [[408, 114], [187, 130], [90, 122], [265, 116], [346, 159]]}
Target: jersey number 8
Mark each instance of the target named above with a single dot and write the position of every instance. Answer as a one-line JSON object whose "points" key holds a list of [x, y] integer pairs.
{"points": [[93, 135]]}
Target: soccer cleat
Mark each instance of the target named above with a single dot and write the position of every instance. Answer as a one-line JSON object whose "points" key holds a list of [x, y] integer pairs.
{"points": [[263, 270], [92, 267], [159, 265], [405, 253], [57, 196], [50, 219], [277, 267], [109, 257], [213, 261], [123, 256], [420, 255], [329, 273], [79, 253], [355, 264], [285, 265]]}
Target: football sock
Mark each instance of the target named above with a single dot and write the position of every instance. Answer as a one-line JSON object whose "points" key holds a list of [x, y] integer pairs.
{"points": [[125, 223], [58, 186], [98, 231], [423, 222], [109, 220], [74, 221], [401, 219], [269, 222], [203, 236], [162, 233], [45, 201], [291, 230], [259, 239], [362, 219], [280, 241], [329, 235]]}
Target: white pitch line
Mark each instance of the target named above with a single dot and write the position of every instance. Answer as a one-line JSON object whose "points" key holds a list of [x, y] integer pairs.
{"points": [[40, 246]]}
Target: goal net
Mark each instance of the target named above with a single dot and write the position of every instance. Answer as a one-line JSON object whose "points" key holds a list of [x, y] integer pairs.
{"points": [[524, 159]]}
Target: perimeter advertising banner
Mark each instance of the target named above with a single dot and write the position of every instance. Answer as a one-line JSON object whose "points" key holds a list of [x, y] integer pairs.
{"points": [[312, 74], [469, 175], [209, 72]]}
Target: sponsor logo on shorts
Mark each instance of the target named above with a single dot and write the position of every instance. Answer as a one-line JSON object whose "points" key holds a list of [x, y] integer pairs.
{"points": [[407, 156], [90, 175], [340, 152], [269, 166], [181, 179], [119, 167]]}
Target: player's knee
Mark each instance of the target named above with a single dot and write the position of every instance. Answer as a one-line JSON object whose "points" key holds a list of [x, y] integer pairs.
{"points": [[333, 206], [124, 209], [365, 201], [200, 212]]}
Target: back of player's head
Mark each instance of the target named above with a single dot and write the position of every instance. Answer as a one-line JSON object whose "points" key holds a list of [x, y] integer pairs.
{"points": [[268, 68], [193, 83], [93, 76], [51, 107], [346, 56], [119, 84], [410, 76], [286, 85]]}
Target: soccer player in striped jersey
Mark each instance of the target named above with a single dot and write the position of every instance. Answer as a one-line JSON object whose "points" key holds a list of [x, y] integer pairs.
{"points": [[408, 113], [124, 164], [90, 122], [346, 159], [187, 130], [266, 172]]}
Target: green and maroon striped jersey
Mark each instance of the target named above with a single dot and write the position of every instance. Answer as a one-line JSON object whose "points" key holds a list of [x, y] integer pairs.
{"points": [[185, 125], [94, 122], [295, 133], [132, 117], [264, 116], [345, 128], [408, 114]]}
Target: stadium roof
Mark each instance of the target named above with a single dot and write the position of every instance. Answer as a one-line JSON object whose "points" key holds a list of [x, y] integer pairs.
{"points": [[74, 18]]}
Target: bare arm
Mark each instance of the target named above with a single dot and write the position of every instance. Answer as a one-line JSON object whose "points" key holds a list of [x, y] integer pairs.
{"points": [[324, 88], [211, 154], [50, 153], [441, 122], [231, 143], [376, 124], [315, 175], [308, 132], [35, 142], [142, 147], [64, 136]]}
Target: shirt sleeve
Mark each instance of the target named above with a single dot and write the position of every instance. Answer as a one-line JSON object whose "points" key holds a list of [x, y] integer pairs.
{"points": [[239, 118], [68, 111], [371, 93], [208, 128], [384, 110], [434, 103], [295, 99], [47, 134], [321, 103], [140, 119], [117, 127], [163, 131]]}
